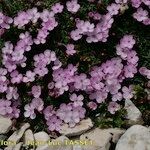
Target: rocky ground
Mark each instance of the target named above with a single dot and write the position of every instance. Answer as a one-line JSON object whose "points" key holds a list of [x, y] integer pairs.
{"points": [[82, 137]]}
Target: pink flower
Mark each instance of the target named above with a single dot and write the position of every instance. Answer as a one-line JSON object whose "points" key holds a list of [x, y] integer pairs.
{"points": [[70, 49], [29, 111], [3, 73], [99, 96], [12, 93], [8, 48], [127, 92], [50, 24], [144, 71], [127, 42], [48, 112], [16, 77], [54, 123], [38, 104], [22, 19], [72, 6], [5, 107], [57, 8], [130, 70], [84, 26], [45, 15], [81, 82], [41, 37], [3, 86], [34, 15], [15, 113], [57, 64], [5, 21], [113, 107], [78, 100], [30, 77], [141, 14], [76, 35], [36, 91], [136, 3], [117, 97], [92, 105], [113, 9], [17, 55], [146, 2], [132, 57], [70, 114]]}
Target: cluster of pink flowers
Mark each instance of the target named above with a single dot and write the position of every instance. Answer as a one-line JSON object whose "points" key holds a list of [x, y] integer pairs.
{"points": [[145, 72], [103, 83], [41, 61], [47, 18], [107, 78], [103, 80], [14, 55], [70, 49], [72, 6], [99, 31], [24, 17], [141, 15], [5, 22], [48, 24]]}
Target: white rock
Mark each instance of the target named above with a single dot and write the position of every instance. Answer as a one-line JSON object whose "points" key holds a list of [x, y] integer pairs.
{"points": [[28, 137], [133, 114], [9, 148], [17, 135], [43, 147], [80, 128], [42, 138], [61, 138], [136, 137], [5, 125], [77, 147], [116, 133], [98, 140], [18, 146], [60, 144]]}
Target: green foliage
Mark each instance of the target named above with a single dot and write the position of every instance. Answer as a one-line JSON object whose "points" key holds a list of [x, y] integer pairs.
{"points": [[139, 91], [106, 120]]}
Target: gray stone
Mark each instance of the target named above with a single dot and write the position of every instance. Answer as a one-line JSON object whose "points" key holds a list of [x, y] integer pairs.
{"points": [[136, 137], [42, 139], [60, 144], [18, 146], [134, 116], [5, 125], [80, 128], [41, 136], [97, 139], [28, 137], [17, 135], [116, 133]]}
